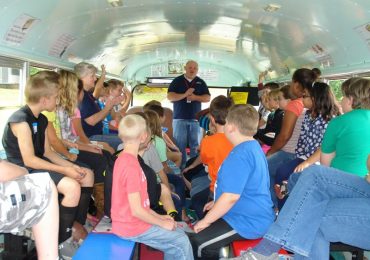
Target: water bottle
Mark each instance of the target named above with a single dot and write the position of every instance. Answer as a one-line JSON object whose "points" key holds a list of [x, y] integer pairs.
{"points": [[105, 127]]}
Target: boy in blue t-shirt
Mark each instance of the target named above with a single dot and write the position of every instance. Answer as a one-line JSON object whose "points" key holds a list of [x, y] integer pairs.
{"points": [[242, 208]]}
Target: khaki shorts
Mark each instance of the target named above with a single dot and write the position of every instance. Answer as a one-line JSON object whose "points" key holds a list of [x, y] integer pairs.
{"points": [[23, 201]]}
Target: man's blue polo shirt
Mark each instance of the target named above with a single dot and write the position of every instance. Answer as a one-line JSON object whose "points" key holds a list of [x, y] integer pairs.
{"points": [[183, 109]]}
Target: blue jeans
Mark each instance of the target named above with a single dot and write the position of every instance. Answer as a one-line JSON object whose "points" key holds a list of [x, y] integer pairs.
{"points": [[198, 201], [179, 185], [111, 139], [174, 244], [275, 161], [326, 205], [283, 173], [293, 179], [186, 131]]}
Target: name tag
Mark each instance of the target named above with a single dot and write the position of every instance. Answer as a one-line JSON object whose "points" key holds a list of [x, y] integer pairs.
{"points": [[34, 128]]}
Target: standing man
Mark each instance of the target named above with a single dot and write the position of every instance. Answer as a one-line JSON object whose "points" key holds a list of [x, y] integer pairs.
{"points": [[187, 92]]}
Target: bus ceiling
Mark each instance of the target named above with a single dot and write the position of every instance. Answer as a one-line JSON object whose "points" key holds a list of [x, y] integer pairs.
{"points": [[232, 40]]}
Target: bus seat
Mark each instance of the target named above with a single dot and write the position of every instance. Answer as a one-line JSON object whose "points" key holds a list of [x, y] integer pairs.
{"points": [[17, 246], [105, 246], [357, 253]]}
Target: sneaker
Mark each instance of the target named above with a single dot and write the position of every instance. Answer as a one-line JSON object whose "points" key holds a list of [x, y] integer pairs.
{"points": [[78, 231], [279, 191], [185, 227], [251, 255], [192, 216], [68, 249]]}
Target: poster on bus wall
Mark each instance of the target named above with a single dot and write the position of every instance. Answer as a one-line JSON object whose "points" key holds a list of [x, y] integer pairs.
{"points": [[322, 55], [364, 31], [20, 28], [175, 67], [60, 45]]}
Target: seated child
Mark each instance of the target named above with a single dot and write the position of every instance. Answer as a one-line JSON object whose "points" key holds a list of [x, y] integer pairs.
{"points": [[263, 91], [346, 142], [113, 89], [274, 120], [159, 194], [321, 106], [132, 217], [158, 142], [284, 97], [59, 129], [263, 110], [26, 144], [242, 207], [151, 158], [213, 149], [285, 142], [173, 152]]}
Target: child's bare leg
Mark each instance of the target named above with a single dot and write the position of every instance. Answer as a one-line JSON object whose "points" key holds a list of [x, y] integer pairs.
{"points": [[46, 231]]}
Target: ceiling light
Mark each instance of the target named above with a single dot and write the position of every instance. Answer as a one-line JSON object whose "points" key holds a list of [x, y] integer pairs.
{"points": [[272, 8], [115, 3]]}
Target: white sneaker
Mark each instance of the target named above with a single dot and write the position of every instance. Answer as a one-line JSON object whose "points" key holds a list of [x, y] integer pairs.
{"points": [[255, 256], [251, 255], [68, 249]]}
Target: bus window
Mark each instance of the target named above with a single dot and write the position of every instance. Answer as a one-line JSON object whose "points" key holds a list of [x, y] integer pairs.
{"points": [[35, 69], [335, 86], [11, 96], [141, 94], [9, 87], [215, 91]]}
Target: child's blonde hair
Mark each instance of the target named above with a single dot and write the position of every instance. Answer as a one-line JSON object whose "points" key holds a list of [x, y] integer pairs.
{"points": [[245, 118], [154, 122], [68, 91], [42, 84], [274, 94], [131, 127]]}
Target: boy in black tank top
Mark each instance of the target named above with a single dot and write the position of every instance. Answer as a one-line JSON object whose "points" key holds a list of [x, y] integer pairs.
{"points": [[27, 145]]}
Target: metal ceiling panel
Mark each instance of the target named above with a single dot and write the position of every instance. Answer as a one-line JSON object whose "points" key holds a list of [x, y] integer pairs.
{"points": [[233, 41]]}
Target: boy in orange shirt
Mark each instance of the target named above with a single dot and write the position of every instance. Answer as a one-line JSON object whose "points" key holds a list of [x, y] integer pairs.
{"points": [[213, 149], [132, 217]]}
